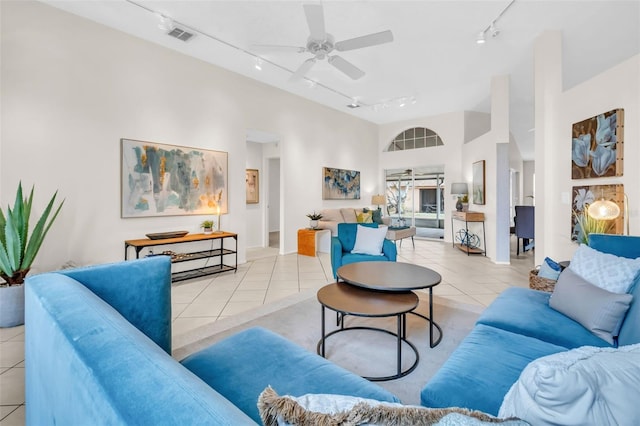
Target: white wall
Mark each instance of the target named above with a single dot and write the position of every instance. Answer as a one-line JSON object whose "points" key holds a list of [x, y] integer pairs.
{"points": [[71, 89], [528, 187], [556, 111]]}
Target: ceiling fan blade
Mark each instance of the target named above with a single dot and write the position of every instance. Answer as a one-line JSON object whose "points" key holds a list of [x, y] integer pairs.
{"points": [[365, 41], [346, 67], [277, 48], [315, 20], [303, 69]]}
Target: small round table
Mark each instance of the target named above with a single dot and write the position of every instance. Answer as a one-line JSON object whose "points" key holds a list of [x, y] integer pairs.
{"points": [[395, 277], [350, 300]]}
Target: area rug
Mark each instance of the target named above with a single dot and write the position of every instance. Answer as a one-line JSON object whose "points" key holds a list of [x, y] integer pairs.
{"points": [[366, 353]]}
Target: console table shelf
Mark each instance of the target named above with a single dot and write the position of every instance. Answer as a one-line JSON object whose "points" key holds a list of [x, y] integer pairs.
{"points": [[466, 243], [220, 252]]}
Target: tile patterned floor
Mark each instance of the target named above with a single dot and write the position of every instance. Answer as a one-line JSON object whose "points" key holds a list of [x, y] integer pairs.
{"points": [[268, 277]]}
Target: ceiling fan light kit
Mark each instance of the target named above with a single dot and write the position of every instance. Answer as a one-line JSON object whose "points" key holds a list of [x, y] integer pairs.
{"points": [[321, 45]]}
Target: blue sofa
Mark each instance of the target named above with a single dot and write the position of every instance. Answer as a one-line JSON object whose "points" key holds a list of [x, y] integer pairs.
{"points": [[517, 328], [98, 345], [343, 243]]}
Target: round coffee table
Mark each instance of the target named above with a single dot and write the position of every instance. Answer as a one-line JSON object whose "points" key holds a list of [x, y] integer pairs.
{"points": [[349, 300], [393, 277]]}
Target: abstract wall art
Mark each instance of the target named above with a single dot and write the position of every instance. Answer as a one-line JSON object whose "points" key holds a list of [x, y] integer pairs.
{"points": [[339, 184], [597, 146], [252, 186], [477, 185], [585, 195], [169, 180]]}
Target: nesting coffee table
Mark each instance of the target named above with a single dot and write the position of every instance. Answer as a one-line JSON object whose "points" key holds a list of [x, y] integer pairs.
{"points": [[395, 277], [346, 299], [380, 289]]}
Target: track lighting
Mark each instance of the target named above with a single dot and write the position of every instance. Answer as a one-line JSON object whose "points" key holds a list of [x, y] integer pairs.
{"points": [[165, 22], [491, 28]]}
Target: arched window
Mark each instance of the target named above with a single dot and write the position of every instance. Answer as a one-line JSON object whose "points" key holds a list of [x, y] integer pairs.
{"points": [[417, 137]]}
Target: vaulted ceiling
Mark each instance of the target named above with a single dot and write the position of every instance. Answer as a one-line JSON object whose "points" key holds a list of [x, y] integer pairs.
{"points": [[433, 64]]}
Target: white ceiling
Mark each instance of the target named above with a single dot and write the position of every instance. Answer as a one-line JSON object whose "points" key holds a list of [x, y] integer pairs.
{"points": [[434, 56]]}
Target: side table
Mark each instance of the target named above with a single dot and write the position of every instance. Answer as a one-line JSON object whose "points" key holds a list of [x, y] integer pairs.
{"points": [[308, 240]]}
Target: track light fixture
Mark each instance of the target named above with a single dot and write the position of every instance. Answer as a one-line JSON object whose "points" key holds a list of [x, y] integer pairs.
{"points": [[165, 22], [491, 28]]}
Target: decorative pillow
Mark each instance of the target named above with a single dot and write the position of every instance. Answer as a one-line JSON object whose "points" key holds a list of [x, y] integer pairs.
{"points": [[598, 310], [549, 269], [605, 270], [377, 216], [584, 386], [369, 240], [326, 409], [332, 215], [365, 217], [349, 215]]}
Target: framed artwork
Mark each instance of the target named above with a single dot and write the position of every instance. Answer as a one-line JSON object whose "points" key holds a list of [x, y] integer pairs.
{"points": [[478, 182], [253, 186], [339, 184], [583, 196], [597, 146], [170, 180]]}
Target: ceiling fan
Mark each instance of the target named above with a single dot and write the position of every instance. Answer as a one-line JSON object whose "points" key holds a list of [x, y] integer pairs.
{"points": [[321, 44]]}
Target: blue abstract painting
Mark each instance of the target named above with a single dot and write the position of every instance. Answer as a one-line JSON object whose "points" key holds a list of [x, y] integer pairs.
{"points": [[339, 184], [169, 180]]}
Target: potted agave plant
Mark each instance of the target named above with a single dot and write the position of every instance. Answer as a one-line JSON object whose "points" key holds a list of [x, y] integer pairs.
{"points": [[18, 249]]}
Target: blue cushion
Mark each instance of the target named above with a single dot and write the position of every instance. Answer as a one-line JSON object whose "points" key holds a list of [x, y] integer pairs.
{"points": [[240, 367], [629, 247], [527, 312], [357, 257], [140, 290], [480, 372]]}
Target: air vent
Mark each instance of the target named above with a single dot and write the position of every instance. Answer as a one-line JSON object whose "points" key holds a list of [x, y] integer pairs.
{"points": [[180, 34]]}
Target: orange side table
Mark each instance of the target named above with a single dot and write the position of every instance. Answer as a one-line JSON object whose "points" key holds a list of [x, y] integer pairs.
{"points": [[307, 242]]}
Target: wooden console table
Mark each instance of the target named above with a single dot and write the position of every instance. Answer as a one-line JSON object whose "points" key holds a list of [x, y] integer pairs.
{"points": [[220, 267], [467, 217]]}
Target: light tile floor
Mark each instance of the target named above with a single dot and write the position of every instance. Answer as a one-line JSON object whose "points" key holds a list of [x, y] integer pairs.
{"points": [[268, 277]]}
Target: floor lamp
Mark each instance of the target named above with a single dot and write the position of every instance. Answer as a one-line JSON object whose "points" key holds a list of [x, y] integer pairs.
{"points": [[607, 210]]}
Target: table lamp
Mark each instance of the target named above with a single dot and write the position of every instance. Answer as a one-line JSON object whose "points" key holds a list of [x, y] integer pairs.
{"points": [[377, 200], [459, 189]]}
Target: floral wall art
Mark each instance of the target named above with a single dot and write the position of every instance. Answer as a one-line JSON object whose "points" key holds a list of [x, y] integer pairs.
{"points": [[583, 196], [339, 184], [597, 146], [169, 180]]}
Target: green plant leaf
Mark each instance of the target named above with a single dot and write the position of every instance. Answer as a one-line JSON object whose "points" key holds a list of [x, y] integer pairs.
{"points": [[5, 265], [39, 232], [13, 243]]}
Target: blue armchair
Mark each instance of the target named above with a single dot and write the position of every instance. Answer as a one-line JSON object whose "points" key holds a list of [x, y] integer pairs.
{"points": [[342, 245]]}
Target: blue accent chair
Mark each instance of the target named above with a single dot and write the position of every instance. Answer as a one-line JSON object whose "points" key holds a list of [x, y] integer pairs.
{"points": [[342, 245]]}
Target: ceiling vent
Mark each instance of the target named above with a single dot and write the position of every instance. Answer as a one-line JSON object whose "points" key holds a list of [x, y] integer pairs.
{"points": [[180, 34]]}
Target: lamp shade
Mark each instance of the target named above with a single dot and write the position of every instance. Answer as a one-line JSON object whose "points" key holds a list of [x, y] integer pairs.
{"points": [[459, 188], [604, 210], [376, 200]]}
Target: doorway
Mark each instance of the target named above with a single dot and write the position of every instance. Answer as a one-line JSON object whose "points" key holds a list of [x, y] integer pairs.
{"points": [[415, 197], [273, 203]]}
